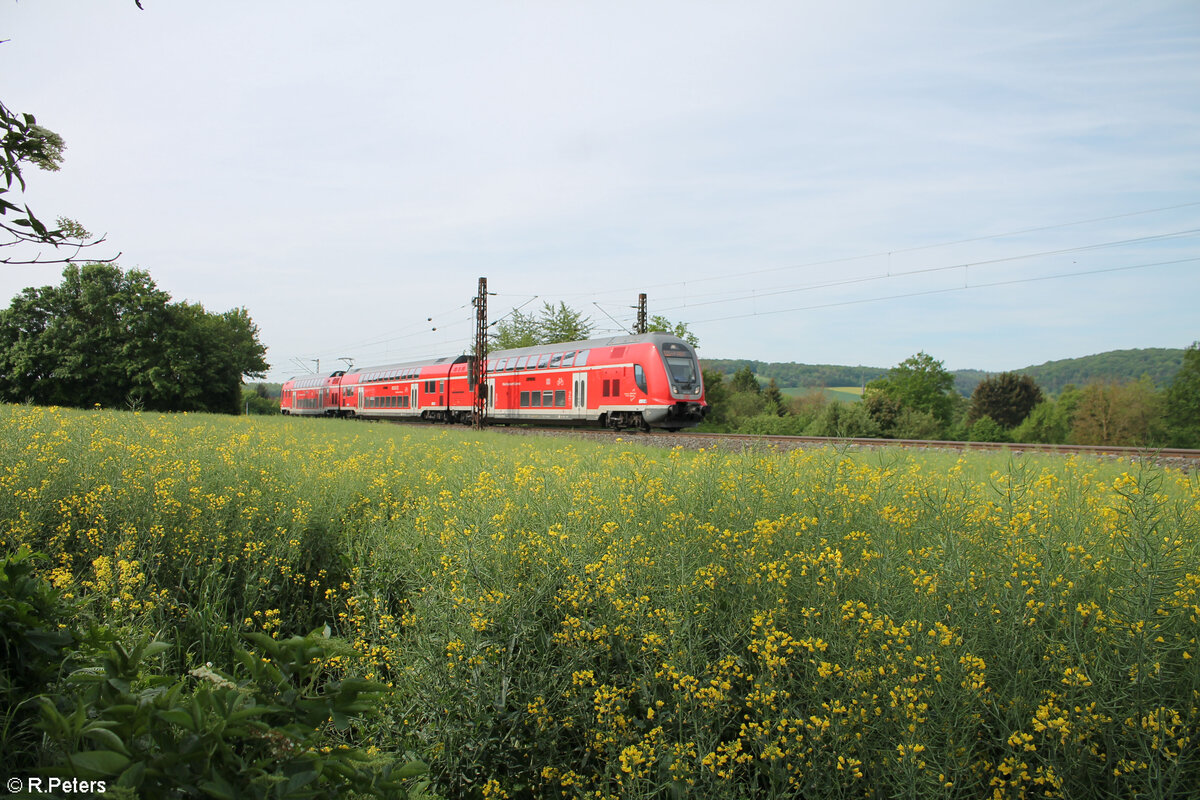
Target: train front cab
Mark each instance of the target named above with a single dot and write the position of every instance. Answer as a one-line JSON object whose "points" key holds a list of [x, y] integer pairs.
{"points": [[667, 389], [651, 380]]}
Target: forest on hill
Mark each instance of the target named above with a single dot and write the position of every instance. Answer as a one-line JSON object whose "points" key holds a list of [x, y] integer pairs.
{"points": [[1159, 363], [1129, 398]]}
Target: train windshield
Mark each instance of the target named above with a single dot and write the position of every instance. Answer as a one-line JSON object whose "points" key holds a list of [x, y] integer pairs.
{"points": [[681, 366], [683, 369]]}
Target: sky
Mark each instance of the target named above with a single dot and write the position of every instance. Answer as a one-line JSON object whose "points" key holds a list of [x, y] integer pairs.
{"points": [[997, 184]]}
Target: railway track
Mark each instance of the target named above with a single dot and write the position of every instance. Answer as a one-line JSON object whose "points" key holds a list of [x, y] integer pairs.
{"points": [[1173, 457]]}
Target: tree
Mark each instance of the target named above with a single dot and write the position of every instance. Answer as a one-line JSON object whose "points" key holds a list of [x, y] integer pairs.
{"points": [[775, 403], [1183, 401], [882, 407], [554, 324], [79, 342], [744, 381], [680, 329], [1006, 399], [921, 383], [716, 394], [108, 337], [516, 330], [563, 324], [26, 142], [986, 429], [1050, 420], [1118, 414], [844, 420]]}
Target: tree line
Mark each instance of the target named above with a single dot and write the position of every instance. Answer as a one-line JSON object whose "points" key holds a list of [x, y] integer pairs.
{"points": [[561, 323], [112, 338], [1159, 363], [916, 399]]}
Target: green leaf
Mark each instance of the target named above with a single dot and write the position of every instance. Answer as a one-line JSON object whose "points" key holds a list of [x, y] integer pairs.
{"points": [[155, 647], [106, 739], [98, 763], [411, 770], [298, 780], [132, 777], [177, 717], [219, 787]]}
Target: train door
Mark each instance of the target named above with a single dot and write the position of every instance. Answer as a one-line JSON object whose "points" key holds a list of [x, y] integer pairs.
{"points": [[489, 403], [579, 397], [414, 398]]}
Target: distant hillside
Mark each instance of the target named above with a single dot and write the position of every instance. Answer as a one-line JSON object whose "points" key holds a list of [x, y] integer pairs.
{"points": [[1159, 363], [806, 376]]}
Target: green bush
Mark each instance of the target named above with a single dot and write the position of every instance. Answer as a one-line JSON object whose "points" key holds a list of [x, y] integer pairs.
{"points": [[35, 647], [986, 429], [282, 728], [271, 734]]}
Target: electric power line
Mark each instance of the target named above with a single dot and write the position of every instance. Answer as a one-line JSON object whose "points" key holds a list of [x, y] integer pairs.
{"points": [[948, 290]]}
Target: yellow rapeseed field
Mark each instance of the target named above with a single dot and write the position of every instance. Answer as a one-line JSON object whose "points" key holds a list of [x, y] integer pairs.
{"points": [[565, 619]]}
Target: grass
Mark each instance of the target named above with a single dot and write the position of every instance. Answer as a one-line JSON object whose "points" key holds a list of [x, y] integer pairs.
{"points": [[845, 394], [562, 618]]}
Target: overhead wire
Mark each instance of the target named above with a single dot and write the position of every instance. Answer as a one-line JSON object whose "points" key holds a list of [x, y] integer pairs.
{"points": [[723, 297], [756, 294], [947, 290], [883, 253]]}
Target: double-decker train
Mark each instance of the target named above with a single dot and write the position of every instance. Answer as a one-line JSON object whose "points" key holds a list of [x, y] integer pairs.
{"points": [[649, 380]]}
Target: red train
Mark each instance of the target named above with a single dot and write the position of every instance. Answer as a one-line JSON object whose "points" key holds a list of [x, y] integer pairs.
{"points": [[650, 380]]}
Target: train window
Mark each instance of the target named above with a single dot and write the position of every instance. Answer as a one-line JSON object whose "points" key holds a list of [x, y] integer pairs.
{"points": [[441, 386], [569, 359], [524, 399], [522, 362], [639, 376], [547, 399], [581, 358], [555, 360], [544, 360], [560, 398], [535, 399], [605, 392], [501, 364]]}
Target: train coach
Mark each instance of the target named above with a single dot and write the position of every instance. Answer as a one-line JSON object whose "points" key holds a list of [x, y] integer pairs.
{"points": [[643, 381]]}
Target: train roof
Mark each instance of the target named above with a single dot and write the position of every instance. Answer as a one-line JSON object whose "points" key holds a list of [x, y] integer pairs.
{"points": [[656, 338], [403, 365], [307, 381]]}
